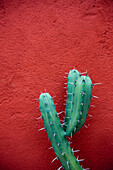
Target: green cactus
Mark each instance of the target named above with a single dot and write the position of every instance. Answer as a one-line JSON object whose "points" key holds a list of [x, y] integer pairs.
{"points": [[87, 93], [56, 133], [71, 84], [79, 94], [81, 101]]}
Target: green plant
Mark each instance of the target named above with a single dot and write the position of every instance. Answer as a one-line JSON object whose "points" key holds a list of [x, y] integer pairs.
{"points": [[56, 133], [78, 103], [79, 94]]}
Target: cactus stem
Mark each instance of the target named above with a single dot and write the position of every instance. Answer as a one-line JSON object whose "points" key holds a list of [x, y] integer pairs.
{"points": [[58, 140], [38, 118], [54, 160], [41, 129], [60, 167], [95, 97]]}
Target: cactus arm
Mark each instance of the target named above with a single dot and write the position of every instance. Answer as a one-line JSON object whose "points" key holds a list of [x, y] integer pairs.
{"points": [[72, 79], [81, 103], [87, 93], [75, 116], [56, 133]]}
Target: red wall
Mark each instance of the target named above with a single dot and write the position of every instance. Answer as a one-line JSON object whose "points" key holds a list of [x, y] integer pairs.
{"points": [[39, 41]]}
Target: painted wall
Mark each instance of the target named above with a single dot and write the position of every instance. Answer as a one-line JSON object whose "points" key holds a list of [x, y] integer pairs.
{"points": [[39, 41]]}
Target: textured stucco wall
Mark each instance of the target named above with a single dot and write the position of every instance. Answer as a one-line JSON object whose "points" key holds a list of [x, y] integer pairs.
{"points": [[39, 41]]}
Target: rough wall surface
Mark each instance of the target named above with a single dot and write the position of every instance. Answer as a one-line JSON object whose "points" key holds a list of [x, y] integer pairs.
{"points": [[39, 41]]}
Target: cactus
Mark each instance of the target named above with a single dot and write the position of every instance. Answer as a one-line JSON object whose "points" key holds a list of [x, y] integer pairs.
{"points": [[87, 93], [79, 94], [81, 101], [56, 133], [72, 79]]}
